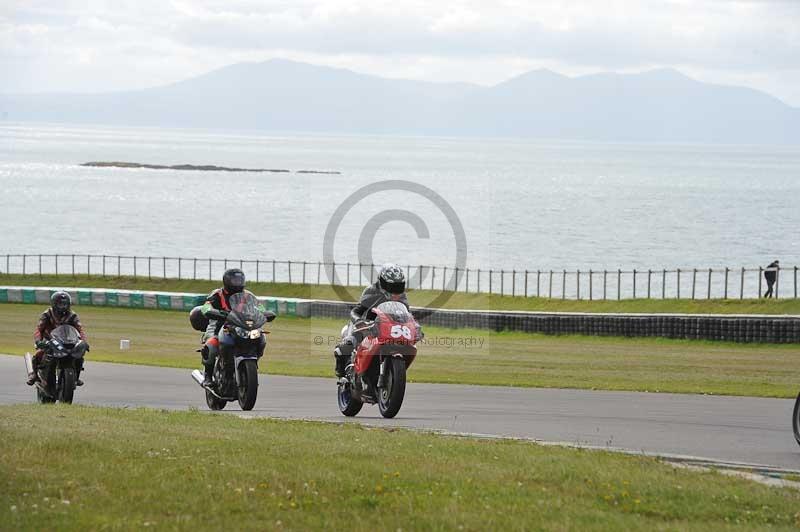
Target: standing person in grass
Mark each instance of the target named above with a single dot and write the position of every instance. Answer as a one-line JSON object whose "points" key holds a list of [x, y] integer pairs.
{"points": [[59, 313], [771, 276]]}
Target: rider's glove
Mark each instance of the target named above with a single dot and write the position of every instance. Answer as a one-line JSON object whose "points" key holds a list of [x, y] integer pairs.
{"points": [[41, 344]]}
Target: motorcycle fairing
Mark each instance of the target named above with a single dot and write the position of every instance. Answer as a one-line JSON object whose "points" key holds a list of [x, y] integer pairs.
{"points": [[69, 339], [396, 333]]}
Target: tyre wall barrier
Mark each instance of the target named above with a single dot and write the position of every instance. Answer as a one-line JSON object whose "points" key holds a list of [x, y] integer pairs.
{"points": [[99, 297], [730, 328]]}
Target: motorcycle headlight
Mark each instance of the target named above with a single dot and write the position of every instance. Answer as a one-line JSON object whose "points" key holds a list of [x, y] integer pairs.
{"points": [[244, 333]]}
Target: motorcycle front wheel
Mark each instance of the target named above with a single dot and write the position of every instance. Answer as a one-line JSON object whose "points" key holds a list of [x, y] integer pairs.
{"points": [[796, 419], [248, 384], [390, 397], [66, 385]]}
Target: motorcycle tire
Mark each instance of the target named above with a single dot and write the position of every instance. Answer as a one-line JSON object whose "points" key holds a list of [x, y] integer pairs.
{"points": [[214, 402], [42, 397], [66, 385], [348, 405], [247, 389], [796, 420], [390, 397]]}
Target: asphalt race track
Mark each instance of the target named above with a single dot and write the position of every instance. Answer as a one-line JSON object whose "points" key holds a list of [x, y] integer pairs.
{"points": [[724, 429]]}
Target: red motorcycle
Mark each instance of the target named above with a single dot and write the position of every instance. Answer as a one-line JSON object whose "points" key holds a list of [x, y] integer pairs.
{"points": [[377, 372]]}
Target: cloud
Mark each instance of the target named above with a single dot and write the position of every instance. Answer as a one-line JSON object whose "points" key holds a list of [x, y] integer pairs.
{"points": [[739, 35], [133, 44]]}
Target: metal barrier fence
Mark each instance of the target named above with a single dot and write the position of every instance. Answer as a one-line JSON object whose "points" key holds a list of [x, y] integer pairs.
{"points": [[676, 283]]}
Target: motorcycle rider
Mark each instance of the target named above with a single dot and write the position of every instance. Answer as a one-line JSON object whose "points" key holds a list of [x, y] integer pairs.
{"points": [[390, 286], [59, 313], [233, 282]]}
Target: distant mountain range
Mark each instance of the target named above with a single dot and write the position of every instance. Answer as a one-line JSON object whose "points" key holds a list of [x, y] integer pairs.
{"points": [[280, 95]]}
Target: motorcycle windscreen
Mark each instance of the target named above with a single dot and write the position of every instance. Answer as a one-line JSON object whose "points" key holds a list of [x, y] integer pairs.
{"points": [[66, 335], [245, 312], [395, 311]]}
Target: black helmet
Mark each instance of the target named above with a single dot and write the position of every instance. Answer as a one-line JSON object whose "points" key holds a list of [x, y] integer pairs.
{"points": [[392, 279], [60, 302], [233, 280]]}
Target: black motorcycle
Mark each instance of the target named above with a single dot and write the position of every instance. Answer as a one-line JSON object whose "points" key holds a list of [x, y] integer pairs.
{"points": [[796, 419], [58, 371], [242, 343]]}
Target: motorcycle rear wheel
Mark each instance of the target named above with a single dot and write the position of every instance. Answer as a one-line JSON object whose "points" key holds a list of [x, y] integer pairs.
{"points": [[796, 419], [42, 397], [348, 405], [248, 384], [214, 402], [66, 385], [390, 397]]}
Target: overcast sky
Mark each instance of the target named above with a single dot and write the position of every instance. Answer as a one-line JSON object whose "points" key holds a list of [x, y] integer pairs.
{"points": [[66, 45]]}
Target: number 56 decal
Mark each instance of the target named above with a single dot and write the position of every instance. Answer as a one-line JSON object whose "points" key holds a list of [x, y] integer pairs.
{"points": [[400, 331]]}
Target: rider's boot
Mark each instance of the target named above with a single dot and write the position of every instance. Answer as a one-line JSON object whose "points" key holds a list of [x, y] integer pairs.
{"points": [[208, 355], [342, 354], [208, 375], [341, 362], [78, 370]]}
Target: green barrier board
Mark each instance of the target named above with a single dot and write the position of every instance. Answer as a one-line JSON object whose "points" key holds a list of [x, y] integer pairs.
{"points": [[189, 302], [92, 297], [164, 302]]}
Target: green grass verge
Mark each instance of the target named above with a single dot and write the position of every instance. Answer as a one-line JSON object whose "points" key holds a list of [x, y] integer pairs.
{"points": [[303, 347], [425, 297], [85, 468]]}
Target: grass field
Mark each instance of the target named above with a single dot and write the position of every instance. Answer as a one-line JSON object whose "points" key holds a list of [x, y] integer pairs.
{"points": [[85, 468], [424, 297], [300, 346]]}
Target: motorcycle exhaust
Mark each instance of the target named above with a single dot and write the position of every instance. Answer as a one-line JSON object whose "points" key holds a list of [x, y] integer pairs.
{"points": [[28, 363], [198, 377]]}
